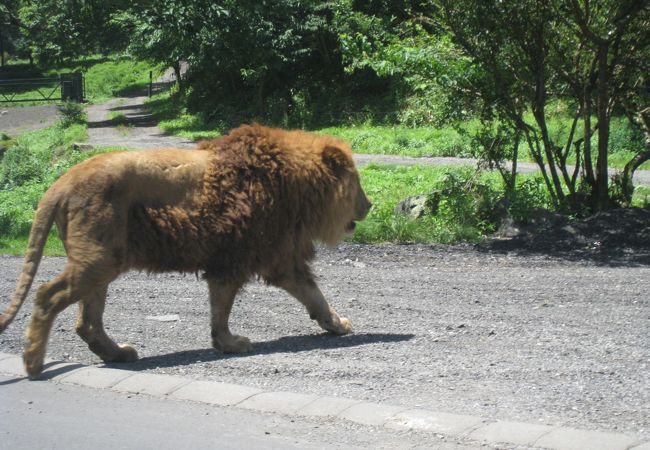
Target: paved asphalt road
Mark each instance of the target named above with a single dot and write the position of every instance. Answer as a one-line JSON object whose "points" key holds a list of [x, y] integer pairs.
{"points": [[44, 415]]}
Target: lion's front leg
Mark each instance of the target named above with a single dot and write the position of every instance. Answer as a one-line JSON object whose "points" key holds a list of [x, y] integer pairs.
{"points": [[222, 296], [303, 287]]}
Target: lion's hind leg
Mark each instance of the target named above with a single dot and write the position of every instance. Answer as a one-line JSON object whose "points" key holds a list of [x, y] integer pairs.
{"points": [[90, 327], [51, 298], [222, 296]]}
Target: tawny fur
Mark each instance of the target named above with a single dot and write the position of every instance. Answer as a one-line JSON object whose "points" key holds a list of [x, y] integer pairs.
{"points": [[249, 203]]}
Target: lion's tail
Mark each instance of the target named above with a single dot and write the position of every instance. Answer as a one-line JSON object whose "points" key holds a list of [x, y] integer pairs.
{"points": [[37, 237]]}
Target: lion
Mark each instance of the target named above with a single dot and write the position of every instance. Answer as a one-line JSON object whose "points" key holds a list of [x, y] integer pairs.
{"points": [[248, 204]]}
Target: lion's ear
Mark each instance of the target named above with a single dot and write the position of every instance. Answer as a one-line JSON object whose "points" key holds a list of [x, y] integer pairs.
{"points": [[335, 159]]}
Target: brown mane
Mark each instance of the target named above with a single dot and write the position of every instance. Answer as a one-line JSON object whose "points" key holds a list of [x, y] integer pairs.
{"points": [[239, 228]]}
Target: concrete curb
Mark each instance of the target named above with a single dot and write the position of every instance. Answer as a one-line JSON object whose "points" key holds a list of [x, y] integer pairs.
{"points": [[474, 428]]}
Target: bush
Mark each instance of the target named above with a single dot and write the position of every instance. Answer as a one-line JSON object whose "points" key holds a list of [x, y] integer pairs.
{"points": [[71, 113]]}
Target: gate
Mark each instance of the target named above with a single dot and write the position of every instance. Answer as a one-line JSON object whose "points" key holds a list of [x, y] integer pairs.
{"points": [[65, 87]]}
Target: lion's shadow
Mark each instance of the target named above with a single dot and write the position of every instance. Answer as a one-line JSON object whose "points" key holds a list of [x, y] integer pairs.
{"points": [[288, 344]]}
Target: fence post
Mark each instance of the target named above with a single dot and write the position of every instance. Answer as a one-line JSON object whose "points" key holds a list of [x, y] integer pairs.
{"points": [[65, 87], [150, 82], [72, 87]]}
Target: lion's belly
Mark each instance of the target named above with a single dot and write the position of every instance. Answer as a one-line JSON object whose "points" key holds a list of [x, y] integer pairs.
{"points": [[172, 239]]}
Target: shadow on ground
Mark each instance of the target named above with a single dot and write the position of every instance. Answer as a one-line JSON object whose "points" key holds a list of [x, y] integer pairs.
{"points": [[614, 238], [288, 344]]}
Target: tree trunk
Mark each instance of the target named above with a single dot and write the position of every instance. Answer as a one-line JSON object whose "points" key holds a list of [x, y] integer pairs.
{"points": [[178, 75], [2, 50], [589, 167], [602, 180], [627, 186]]}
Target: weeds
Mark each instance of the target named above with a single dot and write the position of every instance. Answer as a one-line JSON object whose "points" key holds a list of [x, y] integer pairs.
{"points": [[71, 113], [464, 204], [27, 169]]}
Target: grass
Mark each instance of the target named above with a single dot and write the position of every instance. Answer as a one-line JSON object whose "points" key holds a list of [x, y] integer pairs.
{"points": [[105, 78], [405, 141], [387, 185], [27, 169], [173, 118]]}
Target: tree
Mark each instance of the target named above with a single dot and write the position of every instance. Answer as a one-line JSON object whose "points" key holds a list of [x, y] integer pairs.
{"points": [[532, 53], [59, 29], [9, 27]]}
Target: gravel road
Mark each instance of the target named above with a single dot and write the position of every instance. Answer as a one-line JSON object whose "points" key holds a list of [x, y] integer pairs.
{"points": [[21, 119], [524, 337]]}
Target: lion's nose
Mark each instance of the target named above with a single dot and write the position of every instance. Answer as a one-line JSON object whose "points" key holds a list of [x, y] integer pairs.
{"points": [[368, 206]]}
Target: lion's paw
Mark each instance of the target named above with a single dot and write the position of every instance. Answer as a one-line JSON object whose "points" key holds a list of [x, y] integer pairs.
{"points": [[33, 366], [233, 344], [127, 353], [344, 327], [339, 325]]}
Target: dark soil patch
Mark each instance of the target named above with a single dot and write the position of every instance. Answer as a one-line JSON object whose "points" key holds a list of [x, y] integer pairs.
{"points": [[616, 237]]}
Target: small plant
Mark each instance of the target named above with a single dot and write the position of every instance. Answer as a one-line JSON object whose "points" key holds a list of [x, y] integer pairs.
{"points": [[71, 113], [118, 118]]}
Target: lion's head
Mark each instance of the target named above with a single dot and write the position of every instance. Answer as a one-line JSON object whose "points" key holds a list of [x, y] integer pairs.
{"points": [[350, 203]]}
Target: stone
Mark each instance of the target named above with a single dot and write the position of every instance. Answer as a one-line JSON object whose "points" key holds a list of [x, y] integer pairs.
{"points": [[413, 207]]}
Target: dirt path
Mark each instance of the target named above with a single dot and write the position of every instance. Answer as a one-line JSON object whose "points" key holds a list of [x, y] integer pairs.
{"points": [[137, 129]]}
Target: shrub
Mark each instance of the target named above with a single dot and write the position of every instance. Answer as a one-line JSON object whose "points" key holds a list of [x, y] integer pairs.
{"points": [[71, 113]]}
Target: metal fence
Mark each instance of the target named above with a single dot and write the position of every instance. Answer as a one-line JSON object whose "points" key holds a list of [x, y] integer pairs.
{"points": [[65, 87]]}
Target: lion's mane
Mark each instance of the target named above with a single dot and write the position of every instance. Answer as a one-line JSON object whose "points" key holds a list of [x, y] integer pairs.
{"points": [[266, 196]]}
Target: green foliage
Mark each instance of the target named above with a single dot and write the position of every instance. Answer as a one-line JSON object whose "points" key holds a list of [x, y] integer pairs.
{"points": [[427, 65], [116, 77], [40, 156], [28, 168], [71, 113], [531, 55], [530, 195], [400, 140], [63, 29], [465, 205]]}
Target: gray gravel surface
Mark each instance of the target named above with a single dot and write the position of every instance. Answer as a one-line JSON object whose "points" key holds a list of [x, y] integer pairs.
{"points": [[525, 337], [17, 119], [138, 128]]}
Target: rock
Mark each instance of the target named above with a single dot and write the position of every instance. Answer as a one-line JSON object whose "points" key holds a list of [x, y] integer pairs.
{"points": [[414, 207], [418, 205], [83, 147], [507, 229], [166, 318], [542, 218]]}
